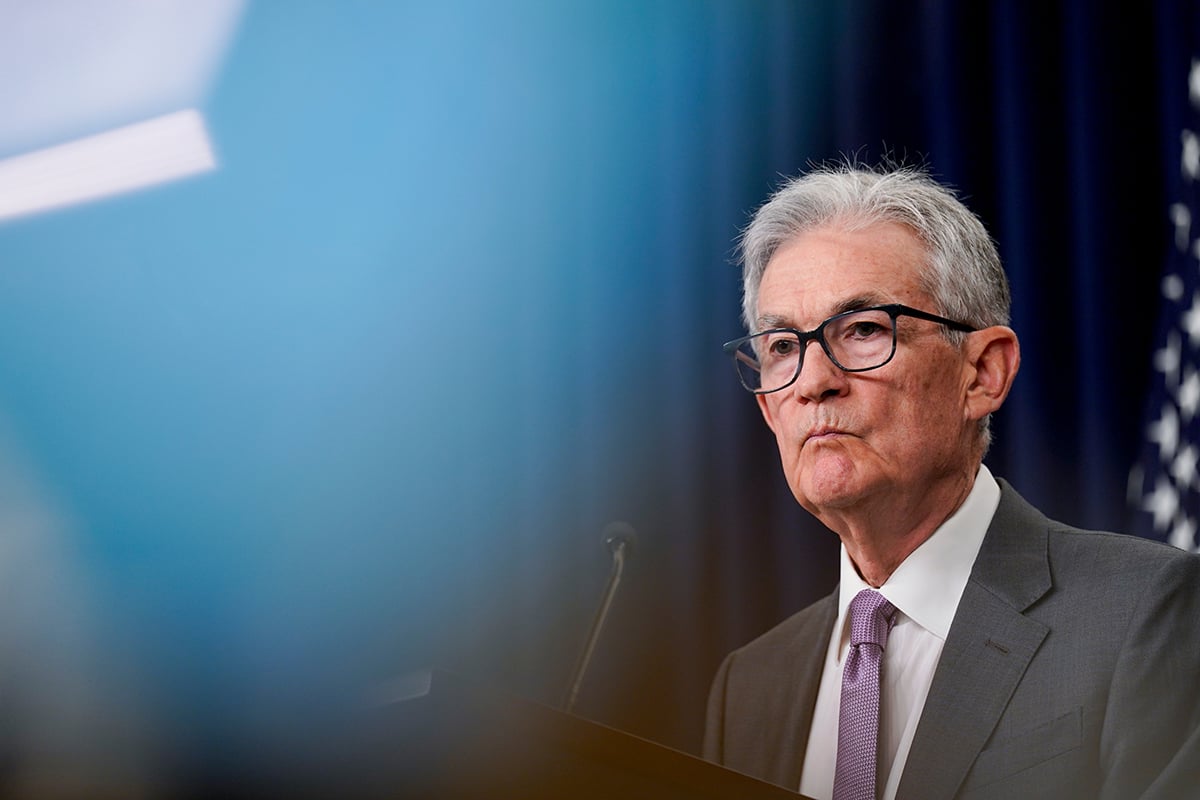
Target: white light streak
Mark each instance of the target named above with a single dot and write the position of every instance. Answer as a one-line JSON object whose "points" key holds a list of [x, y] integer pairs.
{"points": [[133, 157]]}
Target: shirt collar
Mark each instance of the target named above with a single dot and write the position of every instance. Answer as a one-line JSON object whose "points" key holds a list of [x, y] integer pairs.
{"points": [[927, 585]]}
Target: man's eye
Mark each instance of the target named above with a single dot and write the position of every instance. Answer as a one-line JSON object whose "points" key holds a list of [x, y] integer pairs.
{"points": [[865, 329], [781, 348]]}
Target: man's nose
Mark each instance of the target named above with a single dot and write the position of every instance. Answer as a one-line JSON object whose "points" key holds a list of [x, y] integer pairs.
{"points": [[819, 377]]}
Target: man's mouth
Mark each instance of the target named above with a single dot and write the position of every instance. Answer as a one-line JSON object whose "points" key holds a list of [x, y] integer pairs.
{"points": [[823, 434]]}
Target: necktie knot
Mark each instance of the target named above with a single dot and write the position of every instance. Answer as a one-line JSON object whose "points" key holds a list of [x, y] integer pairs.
{"points": [[871, 618]]}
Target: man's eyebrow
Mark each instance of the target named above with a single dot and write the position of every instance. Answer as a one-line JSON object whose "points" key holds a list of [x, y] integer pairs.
{"points": [[768, 321], [857, 303]]}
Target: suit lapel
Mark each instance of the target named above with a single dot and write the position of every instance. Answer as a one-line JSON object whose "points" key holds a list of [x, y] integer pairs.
{"points": [[988, 649]]}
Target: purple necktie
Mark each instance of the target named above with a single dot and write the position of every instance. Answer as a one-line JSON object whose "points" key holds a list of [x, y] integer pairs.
{"points": [[871, 618]]}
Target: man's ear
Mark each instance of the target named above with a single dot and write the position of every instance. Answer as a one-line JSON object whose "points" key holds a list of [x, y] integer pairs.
{"points": [[993, 356]]}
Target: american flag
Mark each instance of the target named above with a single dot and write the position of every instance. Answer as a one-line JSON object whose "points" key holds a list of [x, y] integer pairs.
{"points": [[1164, 486]]}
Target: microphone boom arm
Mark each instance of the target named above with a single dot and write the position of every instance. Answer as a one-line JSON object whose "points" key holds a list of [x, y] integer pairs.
{"points": [[620, 540]]}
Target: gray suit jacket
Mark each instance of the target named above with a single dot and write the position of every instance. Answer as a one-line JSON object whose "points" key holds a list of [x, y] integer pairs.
{"points": [[1072, 669]]}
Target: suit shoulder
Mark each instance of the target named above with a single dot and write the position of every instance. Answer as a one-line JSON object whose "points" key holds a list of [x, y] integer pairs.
{"points": [[1019, 526], [806, 628], [1123, 578], [1118, 552]]}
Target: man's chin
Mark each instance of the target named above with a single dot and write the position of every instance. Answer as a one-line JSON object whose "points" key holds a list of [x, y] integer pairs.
{"points": [[832, 480], [820, 497]]}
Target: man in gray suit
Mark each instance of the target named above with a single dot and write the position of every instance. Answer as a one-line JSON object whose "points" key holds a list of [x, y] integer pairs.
{"points": [[1005, 655]]}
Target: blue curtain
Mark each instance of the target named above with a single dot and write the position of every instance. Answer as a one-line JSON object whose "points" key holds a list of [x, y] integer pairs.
{"points": [[1047, 119]]}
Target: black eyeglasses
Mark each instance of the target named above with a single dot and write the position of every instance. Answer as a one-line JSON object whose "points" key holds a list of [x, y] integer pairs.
{"points": [[855, 341]]}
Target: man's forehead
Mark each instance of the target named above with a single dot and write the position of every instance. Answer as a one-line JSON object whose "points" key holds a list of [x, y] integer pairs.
{"points": [[829, 270]]}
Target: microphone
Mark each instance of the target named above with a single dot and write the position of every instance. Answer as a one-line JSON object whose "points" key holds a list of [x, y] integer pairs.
{"points": [[620, 538]]}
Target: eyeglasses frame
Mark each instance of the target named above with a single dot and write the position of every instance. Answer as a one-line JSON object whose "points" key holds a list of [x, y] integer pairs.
{"points": [[893, 310]]}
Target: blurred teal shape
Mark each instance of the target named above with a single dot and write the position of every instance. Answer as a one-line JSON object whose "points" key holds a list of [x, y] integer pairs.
{"points": [[75, 723], [334, 410]]}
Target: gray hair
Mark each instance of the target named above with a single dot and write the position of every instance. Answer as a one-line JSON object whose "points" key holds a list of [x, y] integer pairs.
{"points": [[963, 274]]}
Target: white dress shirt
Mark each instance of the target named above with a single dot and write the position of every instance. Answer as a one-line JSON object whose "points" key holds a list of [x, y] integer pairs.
{"points": [[925, 589]]}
